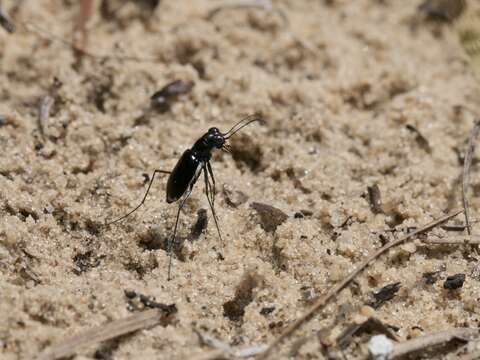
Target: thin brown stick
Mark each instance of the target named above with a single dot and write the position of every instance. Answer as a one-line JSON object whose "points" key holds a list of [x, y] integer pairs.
{"points": [[429, 340], [340, 286], [70, 346], [466, 170]]}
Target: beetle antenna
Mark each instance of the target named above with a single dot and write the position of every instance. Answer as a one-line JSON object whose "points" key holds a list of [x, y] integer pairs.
{"points": [[241, 124]]}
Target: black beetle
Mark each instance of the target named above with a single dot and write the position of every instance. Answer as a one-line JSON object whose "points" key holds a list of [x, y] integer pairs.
{"points": [[188, 169]]}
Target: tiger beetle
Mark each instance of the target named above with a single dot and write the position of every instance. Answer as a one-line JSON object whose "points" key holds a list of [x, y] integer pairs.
{"points": [[185, 174]]}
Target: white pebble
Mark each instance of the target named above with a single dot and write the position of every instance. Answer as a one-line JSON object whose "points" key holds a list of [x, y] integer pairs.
{"points": [[380, 347]]}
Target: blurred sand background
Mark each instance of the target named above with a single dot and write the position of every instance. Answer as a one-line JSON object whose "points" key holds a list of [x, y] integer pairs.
{"points": [[342, 86]]}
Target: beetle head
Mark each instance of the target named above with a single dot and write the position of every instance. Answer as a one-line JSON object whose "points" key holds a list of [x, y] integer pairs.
{"points": [[215, 138]]}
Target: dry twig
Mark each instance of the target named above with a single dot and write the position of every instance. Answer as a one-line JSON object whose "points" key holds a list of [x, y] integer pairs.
{"points": [[320, 303], [116, 328], [429, 340], [466, 170]]}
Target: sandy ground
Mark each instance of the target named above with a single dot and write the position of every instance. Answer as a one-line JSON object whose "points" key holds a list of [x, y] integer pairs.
{"points": [[341, 89]]}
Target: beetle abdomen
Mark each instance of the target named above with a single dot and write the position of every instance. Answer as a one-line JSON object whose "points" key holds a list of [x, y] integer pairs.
{"points": [[182, 175]]}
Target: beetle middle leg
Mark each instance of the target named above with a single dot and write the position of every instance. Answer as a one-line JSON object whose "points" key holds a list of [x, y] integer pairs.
{"points": [[211, 199]]}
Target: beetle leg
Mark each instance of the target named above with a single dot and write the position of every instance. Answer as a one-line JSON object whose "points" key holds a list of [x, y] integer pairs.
{"points": [[214, 192], [171, 242], [144, 198], [208, 192]]}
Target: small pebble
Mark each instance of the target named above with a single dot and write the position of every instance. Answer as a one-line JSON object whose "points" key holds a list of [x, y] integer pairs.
{"points": [[380, 347], [385, 294], [454, 282], [367, 311]]}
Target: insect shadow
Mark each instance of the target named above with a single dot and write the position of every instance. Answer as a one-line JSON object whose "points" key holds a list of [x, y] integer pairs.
{"points": [[189, 168]]}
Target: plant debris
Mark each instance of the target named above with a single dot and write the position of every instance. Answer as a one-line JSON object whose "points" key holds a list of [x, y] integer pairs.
{"points": [[422, 343], [442, 10], [466, 171], [270, 217], [71, 346], [454, 282], [163, 98], [454, 227], [419, 138], [46, 104], [385, 294], [267, 310], [302, 214], [375, 199], [139, 302]]}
